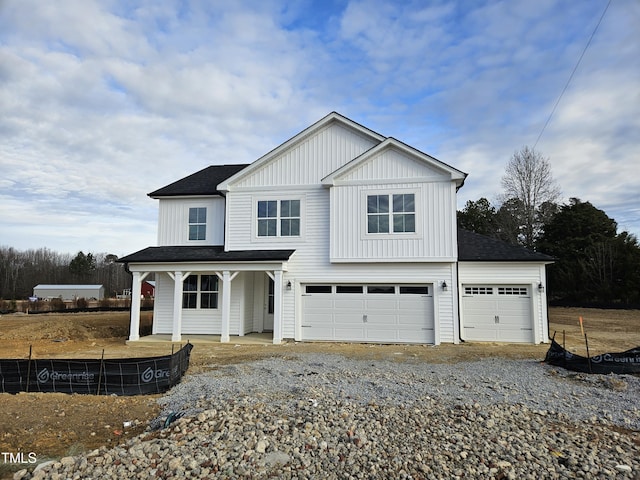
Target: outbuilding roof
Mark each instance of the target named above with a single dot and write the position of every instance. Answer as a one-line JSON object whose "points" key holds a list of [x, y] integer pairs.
{"points": [[473, 247], [203, 182], [69, 287], [209, 253]]}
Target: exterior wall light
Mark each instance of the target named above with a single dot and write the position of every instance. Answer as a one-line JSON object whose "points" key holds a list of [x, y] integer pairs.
{"points": [[289, 285], [445, 287], [540, 287]]}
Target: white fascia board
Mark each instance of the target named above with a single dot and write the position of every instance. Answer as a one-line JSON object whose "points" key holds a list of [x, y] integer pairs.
{"points": [[332, 117], [209, 267]]}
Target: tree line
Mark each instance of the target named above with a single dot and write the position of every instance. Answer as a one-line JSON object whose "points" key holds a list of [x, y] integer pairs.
{"points": [[595, 265], [20, 271]]}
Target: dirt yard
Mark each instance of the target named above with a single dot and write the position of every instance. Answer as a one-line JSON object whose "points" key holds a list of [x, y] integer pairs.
{"points": [[55, 425]]}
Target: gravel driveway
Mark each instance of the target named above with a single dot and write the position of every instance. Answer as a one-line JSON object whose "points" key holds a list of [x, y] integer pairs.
{"points": [[326, 416]]}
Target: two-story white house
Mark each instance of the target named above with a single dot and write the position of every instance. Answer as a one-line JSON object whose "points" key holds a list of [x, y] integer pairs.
{"points": [[338, 234]]}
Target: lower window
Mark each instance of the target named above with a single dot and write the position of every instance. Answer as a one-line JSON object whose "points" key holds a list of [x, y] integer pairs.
{"points": [[200, 291]]}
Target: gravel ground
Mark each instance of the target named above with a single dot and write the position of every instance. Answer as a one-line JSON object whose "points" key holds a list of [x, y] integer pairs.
{"points": [[325, 416]]}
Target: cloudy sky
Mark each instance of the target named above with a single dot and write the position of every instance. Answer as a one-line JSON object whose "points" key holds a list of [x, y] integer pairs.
{"points": [[102, 102]]}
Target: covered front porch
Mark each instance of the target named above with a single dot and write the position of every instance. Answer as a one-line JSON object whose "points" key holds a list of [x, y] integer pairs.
{"points": [[204, 291]]}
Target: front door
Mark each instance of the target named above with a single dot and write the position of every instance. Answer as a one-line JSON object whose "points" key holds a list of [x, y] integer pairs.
{"points": [[268, 307]]}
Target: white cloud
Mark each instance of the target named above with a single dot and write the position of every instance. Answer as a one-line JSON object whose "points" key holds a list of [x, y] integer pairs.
{"points": [[103, 102]]}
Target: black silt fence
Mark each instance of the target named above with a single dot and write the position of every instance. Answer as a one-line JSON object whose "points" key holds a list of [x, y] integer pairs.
{"points": [[125, 376]]}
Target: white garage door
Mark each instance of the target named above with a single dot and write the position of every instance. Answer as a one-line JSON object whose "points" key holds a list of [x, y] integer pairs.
{"points": [[368, 313], [497, 313]]}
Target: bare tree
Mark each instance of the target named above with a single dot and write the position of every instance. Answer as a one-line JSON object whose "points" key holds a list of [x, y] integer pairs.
{"points": [[528, 179]]}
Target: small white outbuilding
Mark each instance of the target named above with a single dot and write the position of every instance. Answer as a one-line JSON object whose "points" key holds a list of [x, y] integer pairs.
{"points": [[68, 292]]}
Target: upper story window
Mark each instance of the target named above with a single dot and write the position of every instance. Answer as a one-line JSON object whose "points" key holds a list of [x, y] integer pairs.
{"points": [[378, 213], [279, 218], [404, 212], [197, 223], [391, 213]]}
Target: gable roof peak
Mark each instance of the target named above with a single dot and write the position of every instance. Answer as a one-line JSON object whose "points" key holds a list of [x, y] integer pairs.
{"points": [[317, 126], [390, 142]]}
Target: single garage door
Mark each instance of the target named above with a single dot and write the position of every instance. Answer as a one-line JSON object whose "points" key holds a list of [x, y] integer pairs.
{"points": [[368, 313], [497, 313]]}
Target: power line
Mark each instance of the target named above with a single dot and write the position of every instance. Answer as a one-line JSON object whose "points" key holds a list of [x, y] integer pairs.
{"points": [[572, 73]]}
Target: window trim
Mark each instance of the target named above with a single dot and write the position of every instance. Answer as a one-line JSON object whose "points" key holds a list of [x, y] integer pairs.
{"points": [[278, 238], [390, 192]]}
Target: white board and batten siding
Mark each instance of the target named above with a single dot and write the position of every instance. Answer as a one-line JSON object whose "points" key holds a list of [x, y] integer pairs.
{"points": [[393, 171], [309, 160], [434, 239], [501, 302], [173, 220]]}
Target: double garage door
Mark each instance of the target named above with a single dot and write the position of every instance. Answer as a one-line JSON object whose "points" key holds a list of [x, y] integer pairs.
{"points": [[500, 313], [368, 313]]}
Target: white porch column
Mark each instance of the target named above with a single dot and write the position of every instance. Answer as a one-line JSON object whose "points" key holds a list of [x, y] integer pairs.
{"points": [[277, 307], [136, 293], [176, 330], [226, 306]]}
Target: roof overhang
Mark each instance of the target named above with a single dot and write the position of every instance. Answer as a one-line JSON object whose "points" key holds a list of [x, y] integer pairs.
{"points": [[207, 256]]}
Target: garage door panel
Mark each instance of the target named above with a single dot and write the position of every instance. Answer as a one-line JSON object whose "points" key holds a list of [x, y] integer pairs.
{"points": [[348, 318], [480, 334], [372, 317], [317, 332], [387, 302], [352, 334], [406, 322], [515, 334], [319, 301], [379, 319], [349, 303], [512, 321]]}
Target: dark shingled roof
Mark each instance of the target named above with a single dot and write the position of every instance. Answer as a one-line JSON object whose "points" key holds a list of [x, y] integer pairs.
{"points": [[473, 247], [203, 182], [210, 253]]}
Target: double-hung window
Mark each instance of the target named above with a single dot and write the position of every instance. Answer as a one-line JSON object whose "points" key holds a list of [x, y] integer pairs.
{"points": [[378, 214], [267, 218], [395, 213], [198, 223], [404, 213], [278, 218], [290, 218], [200, 291]]}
